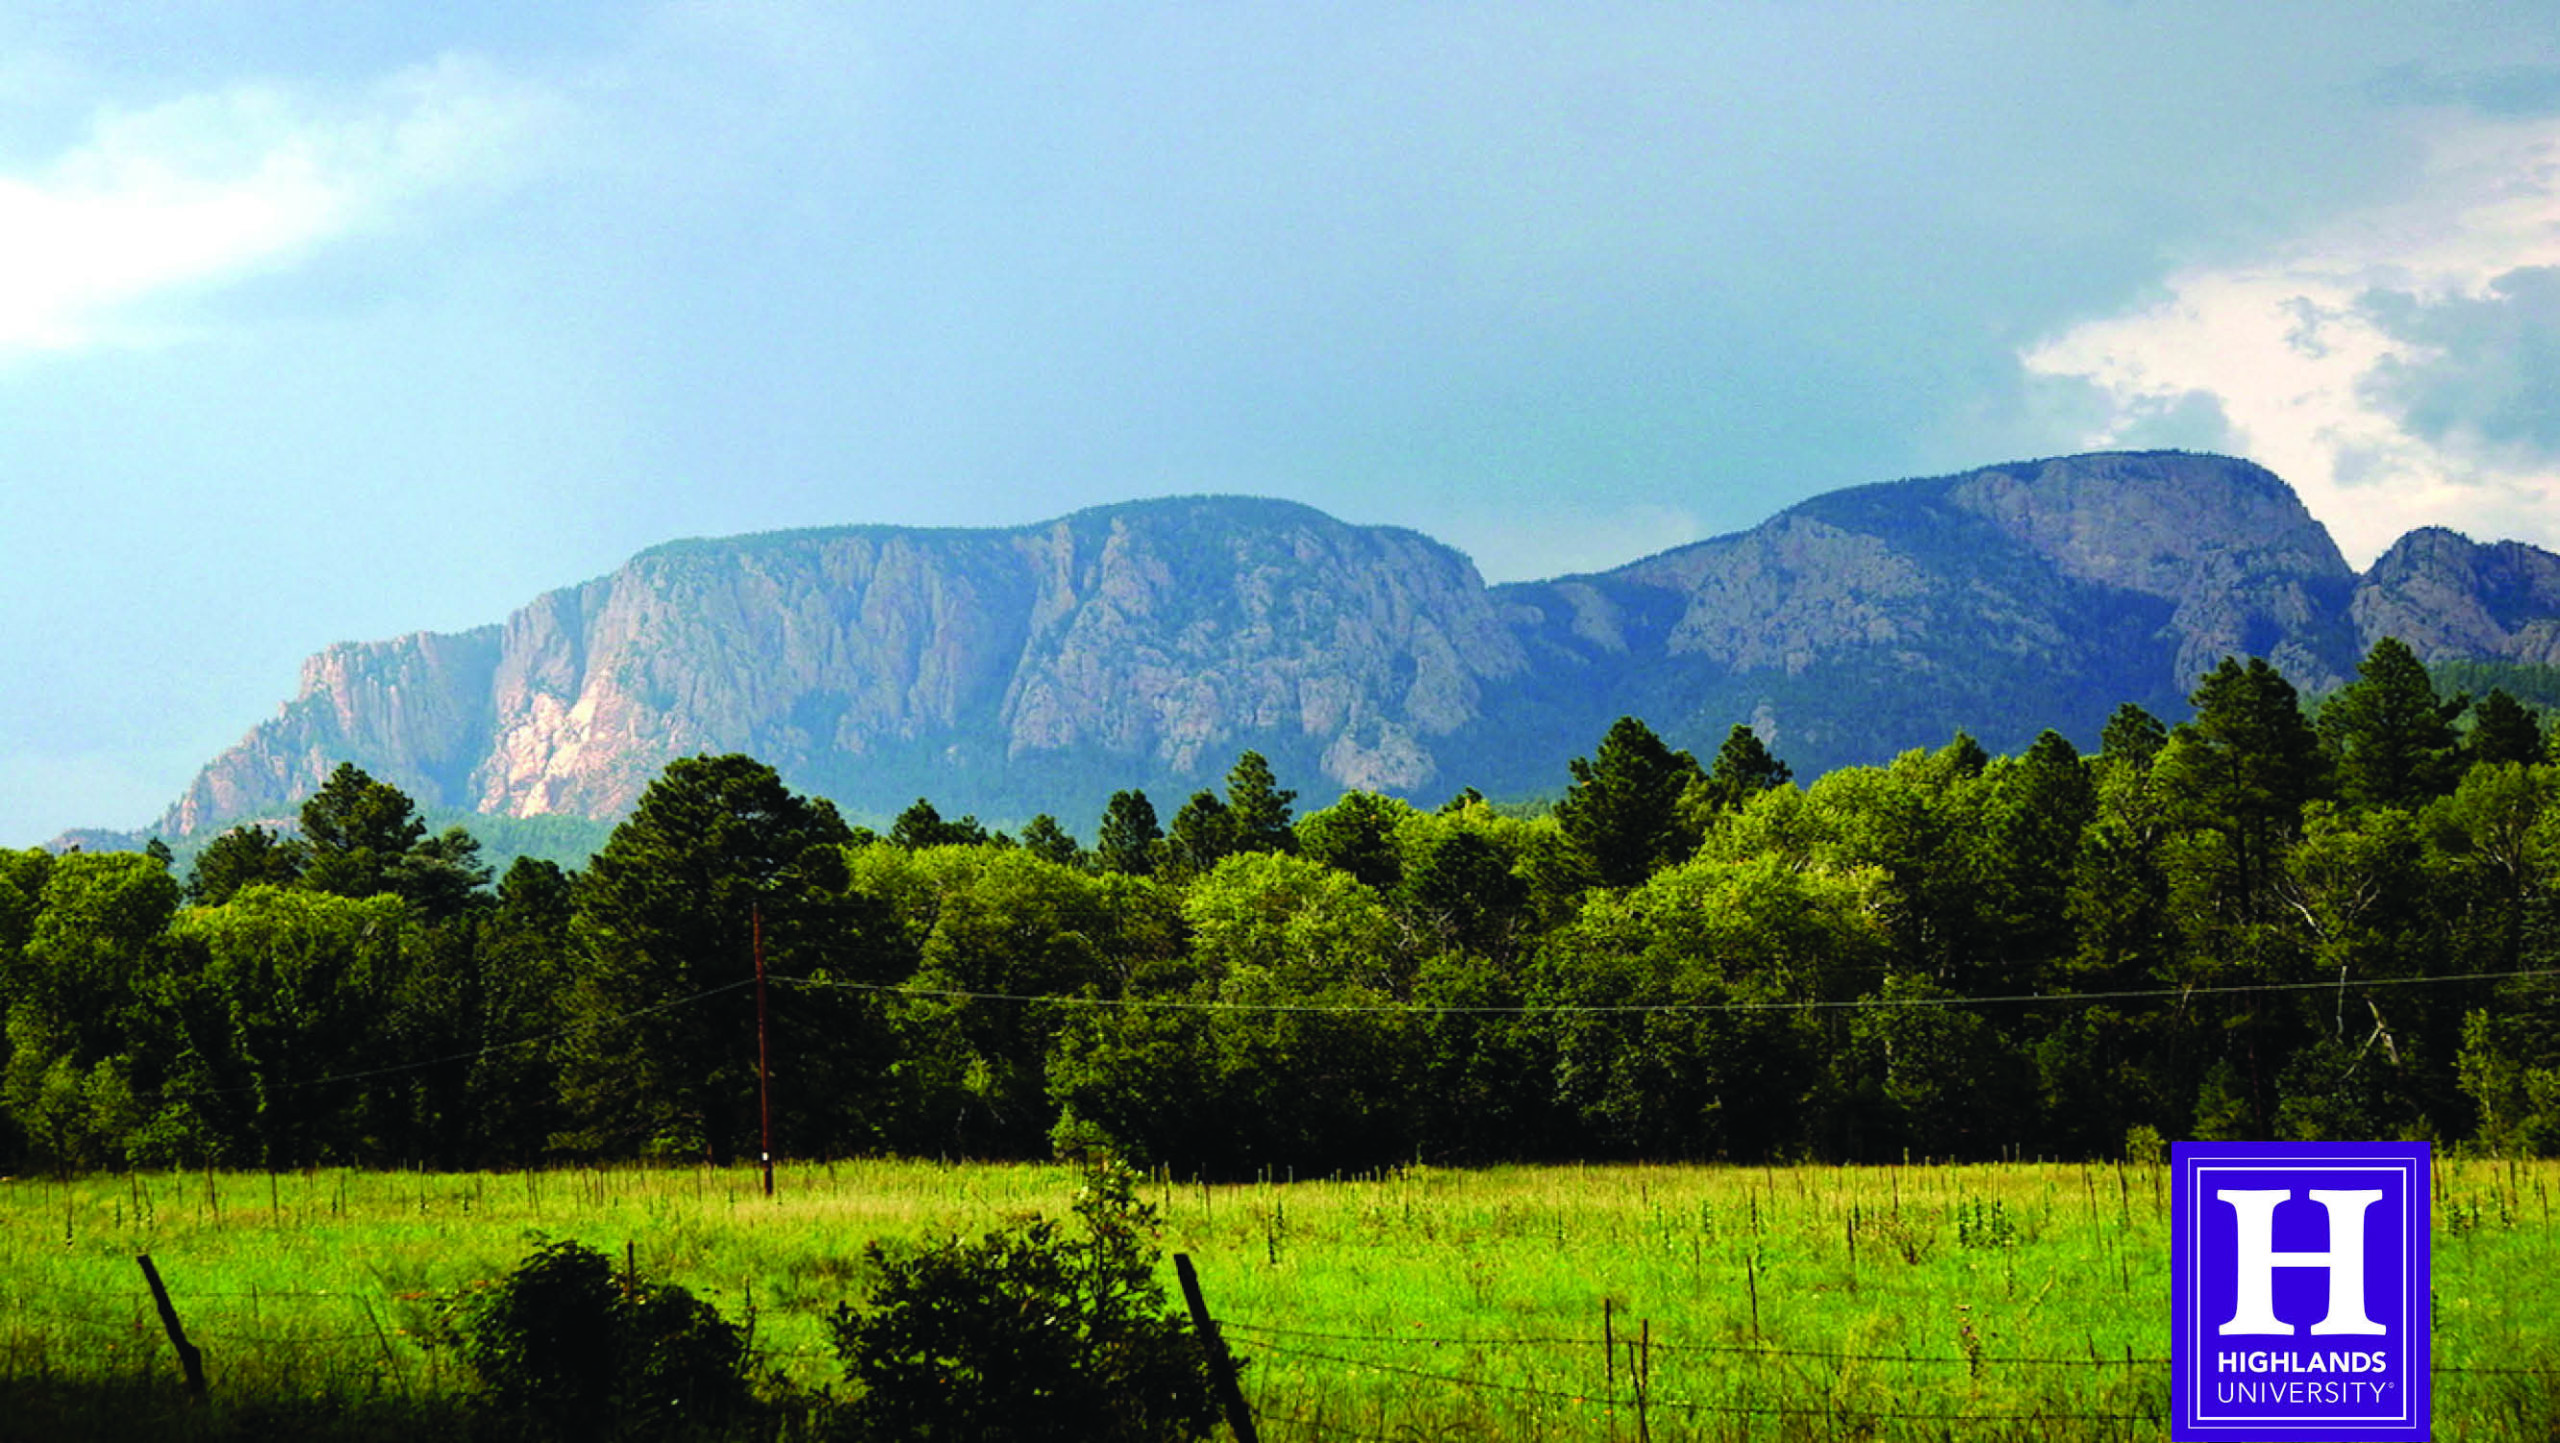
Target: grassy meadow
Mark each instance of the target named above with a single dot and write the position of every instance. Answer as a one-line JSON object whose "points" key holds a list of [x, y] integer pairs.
{"points": [[1983, 1301]]}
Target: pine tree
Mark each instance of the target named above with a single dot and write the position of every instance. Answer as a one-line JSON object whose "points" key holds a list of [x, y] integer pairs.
{"points": [[1128, 839], [1042, 837], [666, 914], [2244, 766], [2392, 736], [2132, 735], [1203, 834], [1622, 812], [2505, 730], [1258, 808], [1744, 769], [354, 826]]}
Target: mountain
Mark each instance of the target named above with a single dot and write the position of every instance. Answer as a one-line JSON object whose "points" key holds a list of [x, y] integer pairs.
{"points": [[1009, 671], [1865, 621], [1142, 644]]}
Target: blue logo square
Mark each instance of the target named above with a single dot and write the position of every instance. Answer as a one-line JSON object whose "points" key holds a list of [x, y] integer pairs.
{"points": [[2299, 1291]]}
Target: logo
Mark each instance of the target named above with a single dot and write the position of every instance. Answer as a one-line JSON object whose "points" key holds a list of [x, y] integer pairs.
{"points": [[2299, 1291]]}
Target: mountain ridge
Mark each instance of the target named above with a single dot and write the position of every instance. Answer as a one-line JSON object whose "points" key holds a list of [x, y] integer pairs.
{"points": [[1038, 667]]}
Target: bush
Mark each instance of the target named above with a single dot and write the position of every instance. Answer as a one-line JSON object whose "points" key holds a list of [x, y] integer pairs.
{"points": [[1028, 1334], [563, 1349]]}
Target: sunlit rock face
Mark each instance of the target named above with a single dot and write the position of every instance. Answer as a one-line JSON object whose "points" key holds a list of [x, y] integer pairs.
{"points": [[1040, 668]]}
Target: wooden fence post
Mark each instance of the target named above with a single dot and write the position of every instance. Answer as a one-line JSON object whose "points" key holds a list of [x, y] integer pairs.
{"points": [[189, 1360], [1643, 1371], [1222, 1367]]}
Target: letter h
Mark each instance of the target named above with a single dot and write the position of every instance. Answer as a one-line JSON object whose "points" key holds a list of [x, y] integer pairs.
{"points": [[2258, 1260]]}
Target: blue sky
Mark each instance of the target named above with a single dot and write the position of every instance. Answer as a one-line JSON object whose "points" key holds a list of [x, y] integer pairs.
{"points": [[338, 322]]}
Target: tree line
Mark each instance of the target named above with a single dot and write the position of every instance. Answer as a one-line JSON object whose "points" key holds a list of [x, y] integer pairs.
{"points": [[2266, 921]]}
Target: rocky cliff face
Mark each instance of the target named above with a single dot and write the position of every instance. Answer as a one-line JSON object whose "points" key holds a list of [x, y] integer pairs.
{"points": [[2450, 598], [1041, 667], [1150, 641], [2003, 600]]}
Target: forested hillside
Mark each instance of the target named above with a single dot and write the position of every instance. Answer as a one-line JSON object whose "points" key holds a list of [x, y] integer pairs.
{"points": [[2258, 923]]}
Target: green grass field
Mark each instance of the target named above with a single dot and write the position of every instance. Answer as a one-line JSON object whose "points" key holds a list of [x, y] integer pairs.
{"points": [[1994, 1301]]}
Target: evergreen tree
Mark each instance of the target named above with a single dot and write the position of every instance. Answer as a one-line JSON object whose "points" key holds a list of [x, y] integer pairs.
{"points": [[922, 826], [2241, 772], [1203, 834], [1258, 808], [2041, 802], [662, 1050], [1744, 768], [2392, 737], [1127, 842], [2505, 730], [1042, 837], [2132, 735], [243, 857], [354, 827], [1622, 812], [442, 876]]}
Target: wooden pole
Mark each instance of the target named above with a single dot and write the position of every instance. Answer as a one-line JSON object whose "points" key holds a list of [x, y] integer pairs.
{"points": [[1222, 1367], [1643, 1371], [764, 1058], [1609, 1346], [189, 1360]]}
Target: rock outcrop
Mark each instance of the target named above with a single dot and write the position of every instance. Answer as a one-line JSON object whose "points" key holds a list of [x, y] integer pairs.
{"points": [[1041, 667]]}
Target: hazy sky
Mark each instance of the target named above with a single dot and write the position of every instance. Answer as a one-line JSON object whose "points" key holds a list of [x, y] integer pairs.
{"points": [[324, 323]]}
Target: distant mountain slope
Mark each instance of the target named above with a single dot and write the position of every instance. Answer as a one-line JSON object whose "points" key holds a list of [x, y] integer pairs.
{"points": [[1143, 643], [2004, 600], [1040, 667]]}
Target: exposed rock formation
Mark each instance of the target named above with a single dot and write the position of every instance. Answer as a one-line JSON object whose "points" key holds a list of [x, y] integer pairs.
{"points": [[2451, 598], [1009, 671]]}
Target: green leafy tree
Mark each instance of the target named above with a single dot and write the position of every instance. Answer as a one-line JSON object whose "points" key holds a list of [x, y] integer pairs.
{"points": [[1666, 1025], [94, 945], [1236, 1082], [989, 927], [2392, 736], [1128, 840], [1622, 813], [296, 983], [1357, 835]]}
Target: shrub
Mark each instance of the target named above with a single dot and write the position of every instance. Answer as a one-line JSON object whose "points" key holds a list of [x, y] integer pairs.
{"points": [[563, 1349], [1028, 1333]]}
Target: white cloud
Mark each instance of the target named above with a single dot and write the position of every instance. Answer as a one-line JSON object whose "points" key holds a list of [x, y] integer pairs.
{"points": [[2296, 352], [214, 187]]}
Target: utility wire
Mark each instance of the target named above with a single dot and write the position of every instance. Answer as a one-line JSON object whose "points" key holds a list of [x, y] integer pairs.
{"points": [[181, 1093]]}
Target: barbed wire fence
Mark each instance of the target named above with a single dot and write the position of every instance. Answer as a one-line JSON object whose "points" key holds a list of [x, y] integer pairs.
{"points": [[1587, 1384]]}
